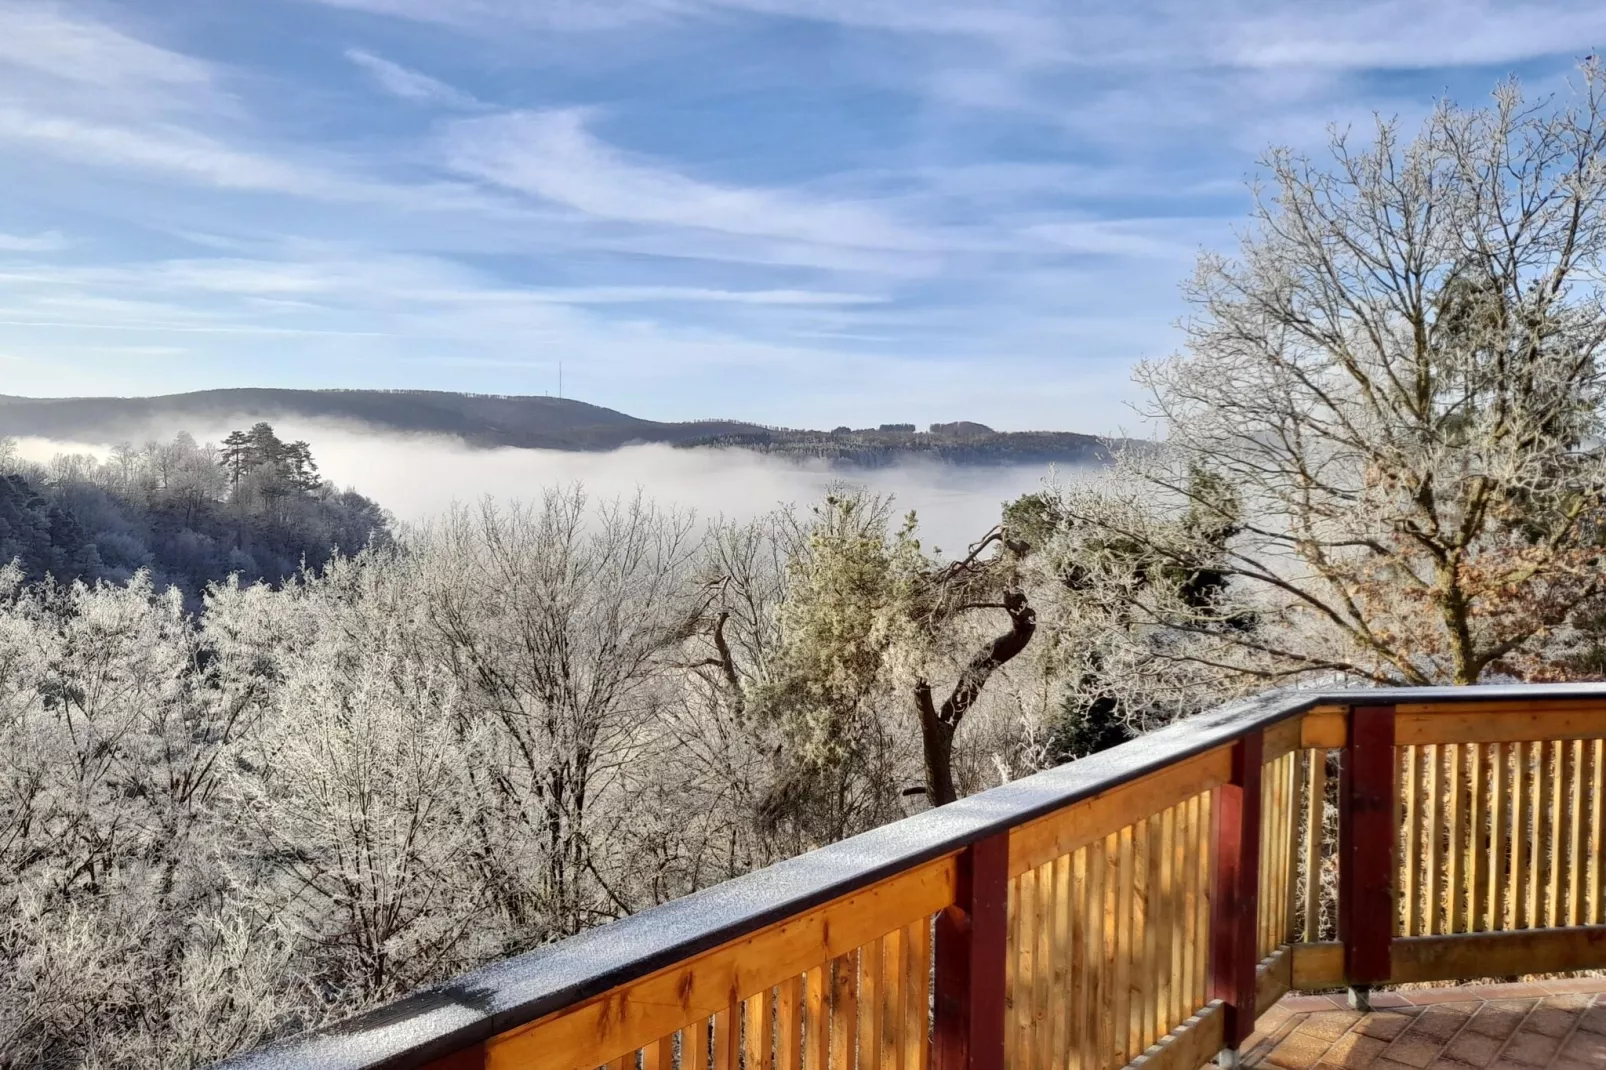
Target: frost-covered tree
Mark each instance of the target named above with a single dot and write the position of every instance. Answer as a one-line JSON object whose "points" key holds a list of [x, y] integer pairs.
{"points": [[1399, 378]]}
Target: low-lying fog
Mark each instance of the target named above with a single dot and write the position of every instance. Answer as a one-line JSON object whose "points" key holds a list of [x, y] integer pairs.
{"points": [[417, 477]]}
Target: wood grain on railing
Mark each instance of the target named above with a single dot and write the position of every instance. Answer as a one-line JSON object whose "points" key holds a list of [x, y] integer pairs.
{"points": [[722, 1004], [1107, 940]]}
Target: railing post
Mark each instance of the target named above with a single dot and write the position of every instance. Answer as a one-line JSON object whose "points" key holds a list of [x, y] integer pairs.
{"points": [[1366, 850], [968, 1026], [1235, 903]]}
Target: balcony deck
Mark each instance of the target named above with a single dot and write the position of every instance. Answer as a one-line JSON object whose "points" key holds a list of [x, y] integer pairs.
{"points": [[1555, 1025]]}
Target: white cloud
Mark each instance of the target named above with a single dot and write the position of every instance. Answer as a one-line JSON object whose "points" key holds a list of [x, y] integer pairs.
{"points": [[49, 242], [410, 84], [42, 38], [1141, 239], [1410, 34], [551, 155]]}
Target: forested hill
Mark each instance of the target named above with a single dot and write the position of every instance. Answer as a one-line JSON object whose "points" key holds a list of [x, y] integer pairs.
{"points": [[964, 444], [478, 419], [529, 422], [189, 514]]}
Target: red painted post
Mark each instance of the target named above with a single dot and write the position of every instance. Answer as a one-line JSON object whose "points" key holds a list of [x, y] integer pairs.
{"points": [[968, 1028], [1235, 904], [1367, 870]]}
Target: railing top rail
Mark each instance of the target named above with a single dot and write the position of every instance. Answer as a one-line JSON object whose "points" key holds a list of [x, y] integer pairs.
{"points": [[437, 1021]]}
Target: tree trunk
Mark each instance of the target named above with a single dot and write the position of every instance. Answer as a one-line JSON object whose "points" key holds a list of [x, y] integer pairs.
{"points": [[937, 727]]}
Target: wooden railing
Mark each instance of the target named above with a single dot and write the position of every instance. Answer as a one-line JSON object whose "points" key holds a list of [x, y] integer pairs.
{"points": [[1138, 908]]}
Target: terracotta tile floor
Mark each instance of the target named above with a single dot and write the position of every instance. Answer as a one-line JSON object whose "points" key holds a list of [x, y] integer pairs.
{"points": [[1557, 1025]]}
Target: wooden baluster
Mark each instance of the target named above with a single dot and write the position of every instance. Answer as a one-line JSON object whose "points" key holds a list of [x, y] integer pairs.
{"points": [[844, 1010], [1556, 830], [701, 1036], [1194, 875], [728, 1038], [1433, 838], [1101, 865], [1367, 870], [758, 1028], [1077, 971], [870, 1005], [659, 1055], [894, 970], [789, 1024], [970, 967], [1209, 871], [1597, 831], [1538, 784], [1477, 843], [1455, 870], [1060, 975], [1122, 981], [816, 1019], [917, 995], [1042, 965], [1411, 879], [1236, 892], [1144, 967], [1576, 860], [1170, 933], [1021, 1034], [1517, 908], [1499, 834]]}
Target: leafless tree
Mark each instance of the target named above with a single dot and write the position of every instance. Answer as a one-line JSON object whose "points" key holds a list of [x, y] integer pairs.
{"points": [[1392, 402]]}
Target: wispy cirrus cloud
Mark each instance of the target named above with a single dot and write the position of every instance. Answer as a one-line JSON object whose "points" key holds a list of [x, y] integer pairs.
{"points": [[48, 242], [44, 39], [409, 84], [552, 155]]}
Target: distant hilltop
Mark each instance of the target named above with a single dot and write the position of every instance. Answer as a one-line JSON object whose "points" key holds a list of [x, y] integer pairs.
{"points": [[530, 422]]}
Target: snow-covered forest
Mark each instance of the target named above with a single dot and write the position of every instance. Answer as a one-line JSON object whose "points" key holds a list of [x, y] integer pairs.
{"points": [[250, 814], [187, 513]]}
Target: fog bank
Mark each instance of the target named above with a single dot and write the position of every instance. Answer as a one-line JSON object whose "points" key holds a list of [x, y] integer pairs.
{"points": [[419, 477]]}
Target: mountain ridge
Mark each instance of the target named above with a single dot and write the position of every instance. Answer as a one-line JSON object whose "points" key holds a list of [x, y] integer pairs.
{"points": [[522, 421]]}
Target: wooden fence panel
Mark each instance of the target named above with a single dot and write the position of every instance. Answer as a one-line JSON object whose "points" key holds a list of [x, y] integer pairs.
{"points": [[1106, 943]]}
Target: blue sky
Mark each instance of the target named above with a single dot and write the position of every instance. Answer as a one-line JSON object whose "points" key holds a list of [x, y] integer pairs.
{"points": [[806, 212]]}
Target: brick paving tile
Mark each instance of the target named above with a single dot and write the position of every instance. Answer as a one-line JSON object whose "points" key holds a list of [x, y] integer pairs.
{"points": [[1415, 1050], [1298, 1052], [1329, 1024], [1443, 1021], [1474, 1049], [1355, 1050], [1500, 1019], [1385, 1025], [1530, 1049], [1560, 1026], [1586, 1046], [1593, 1020], [1551, 1020]]}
